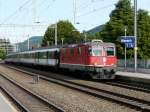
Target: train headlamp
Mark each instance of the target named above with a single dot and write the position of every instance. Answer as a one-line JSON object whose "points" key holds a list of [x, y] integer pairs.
{"points": [[95, 63], [104, 59]]}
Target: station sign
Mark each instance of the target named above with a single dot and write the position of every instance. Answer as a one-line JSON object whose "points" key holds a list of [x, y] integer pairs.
{"points": [[129, 45], [129, 41]]}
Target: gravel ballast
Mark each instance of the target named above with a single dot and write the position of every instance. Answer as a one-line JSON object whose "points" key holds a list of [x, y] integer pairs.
{"points": [[70, 100]]}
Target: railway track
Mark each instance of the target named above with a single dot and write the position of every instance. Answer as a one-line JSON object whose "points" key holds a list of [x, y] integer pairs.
{"points": [[126, 85], [18, 104], [26, 99], [136, 103]]}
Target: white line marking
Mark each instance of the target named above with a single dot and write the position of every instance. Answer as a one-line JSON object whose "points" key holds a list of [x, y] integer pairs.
{"points": [[8, 103]]}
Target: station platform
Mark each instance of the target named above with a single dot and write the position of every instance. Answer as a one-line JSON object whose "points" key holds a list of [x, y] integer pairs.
{"points": [[5, 105], [133, 76]]}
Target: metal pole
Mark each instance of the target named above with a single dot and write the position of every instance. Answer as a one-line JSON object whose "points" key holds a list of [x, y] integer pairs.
{"points": [[28, 42], [85, 37], [56, 33], [74, 10], [125, 64], [62, 41], [135, 35], [16, 48], [34, 10]]}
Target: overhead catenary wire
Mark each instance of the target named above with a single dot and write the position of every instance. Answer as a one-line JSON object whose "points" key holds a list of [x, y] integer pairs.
{"points": [[15, 12], [20, 9], [95, 10], [22, 25], [86, 4]]}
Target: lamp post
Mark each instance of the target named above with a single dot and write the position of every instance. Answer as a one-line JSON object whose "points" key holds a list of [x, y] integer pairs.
{"points": [[74, 11], [62, 41], [56, 33], [125, 34], [135, 35], [85, 36], [28, 42], [55, 27]]}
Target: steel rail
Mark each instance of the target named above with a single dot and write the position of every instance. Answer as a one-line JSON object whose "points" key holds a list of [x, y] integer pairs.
{"points": [[128, 86], [16, 101], [116, 97], [42, 99]]}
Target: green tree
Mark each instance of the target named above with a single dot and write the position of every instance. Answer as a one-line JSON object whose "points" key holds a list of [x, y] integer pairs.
{"points": [[66, 32], [2, 53], [143, 34], [120, 17]]}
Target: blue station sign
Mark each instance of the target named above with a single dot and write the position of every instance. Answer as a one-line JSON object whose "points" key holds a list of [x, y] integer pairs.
{"points": [[129, 45], [128, 41]]}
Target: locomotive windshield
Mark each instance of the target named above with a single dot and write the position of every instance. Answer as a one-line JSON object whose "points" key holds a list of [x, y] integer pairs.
{"points": [[95, 51], [110, 51]]}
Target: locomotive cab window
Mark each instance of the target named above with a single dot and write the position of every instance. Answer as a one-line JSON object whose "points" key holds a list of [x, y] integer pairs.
{"points": [[90, 51], [110, 51], [95, 51]]}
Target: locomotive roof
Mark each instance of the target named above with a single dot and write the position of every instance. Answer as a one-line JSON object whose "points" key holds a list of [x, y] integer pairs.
{"points": [[100, 43], [90, 44]]}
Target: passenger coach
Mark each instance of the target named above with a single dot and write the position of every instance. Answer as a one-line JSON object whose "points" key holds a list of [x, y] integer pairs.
{"points": [[44, 56]]}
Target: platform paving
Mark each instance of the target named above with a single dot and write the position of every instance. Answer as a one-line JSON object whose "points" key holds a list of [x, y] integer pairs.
{"points": [[5, 105], [133, 74]]}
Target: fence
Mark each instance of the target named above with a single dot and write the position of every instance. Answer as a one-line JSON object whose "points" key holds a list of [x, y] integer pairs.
{"points": [[141, 63]]}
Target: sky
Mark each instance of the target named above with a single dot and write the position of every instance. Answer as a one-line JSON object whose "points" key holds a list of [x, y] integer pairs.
{"points": [[21, 19]]}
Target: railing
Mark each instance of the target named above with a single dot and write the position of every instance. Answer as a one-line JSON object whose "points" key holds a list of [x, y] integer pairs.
{"points": [[141, 63]]}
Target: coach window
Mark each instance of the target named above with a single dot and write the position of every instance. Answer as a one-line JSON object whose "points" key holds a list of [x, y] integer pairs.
{"points": [[44, 55], [32, 55], [16, 56], [49, 55], [41, 55], [26, 55], [21, 55], [110, 51], [29, 55], [36, 55]]}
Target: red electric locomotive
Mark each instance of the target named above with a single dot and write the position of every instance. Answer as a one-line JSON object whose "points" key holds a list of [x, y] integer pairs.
{"points": [[95, 58]]}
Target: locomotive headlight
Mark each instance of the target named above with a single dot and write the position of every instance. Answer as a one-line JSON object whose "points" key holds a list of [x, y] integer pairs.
{"points": [[95, 63], [104, 59]]}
